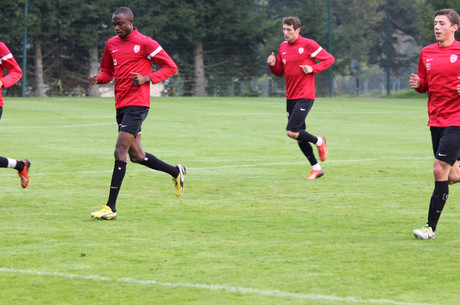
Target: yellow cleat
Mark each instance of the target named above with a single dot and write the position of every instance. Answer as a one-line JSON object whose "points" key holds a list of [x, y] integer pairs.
{"points": [[105, 213], [179, 180]]}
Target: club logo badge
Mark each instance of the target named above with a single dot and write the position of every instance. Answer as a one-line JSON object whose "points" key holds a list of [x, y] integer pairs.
{"points": [[301, 50], [453, 58], [428, 66], [137, 48]]}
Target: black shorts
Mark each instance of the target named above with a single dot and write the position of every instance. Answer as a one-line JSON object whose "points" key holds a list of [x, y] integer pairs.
{"points": [[130, 119], [1, 112], [446, 143], [297, 111]]}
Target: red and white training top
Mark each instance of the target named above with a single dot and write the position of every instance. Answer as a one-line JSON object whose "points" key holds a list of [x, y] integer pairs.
{"points": [[291, 56], [439, 69], [134, 53], [8, 62]]}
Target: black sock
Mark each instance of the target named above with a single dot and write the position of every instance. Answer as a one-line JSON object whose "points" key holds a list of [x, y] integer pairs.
{"points": [[306, 137], [154, 163], [305, 147], [19, 165], [119, 171], [438, 200], [3, 162]]}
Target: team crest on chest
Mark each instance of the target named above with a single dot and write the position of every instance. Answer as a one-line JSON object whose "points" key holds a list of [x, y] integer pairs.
{"points": [[453, 58], [301, 50], [137, 48]]}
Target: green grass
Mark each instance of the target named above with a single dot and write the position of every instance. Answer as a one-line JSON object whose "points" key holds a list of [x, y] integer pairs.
{"points": [[249, 228]]}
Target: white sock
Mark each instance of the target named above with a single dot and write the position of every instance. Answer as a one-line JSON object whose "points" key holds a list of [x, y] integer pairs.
{"points": [[11, 163], [316, 167], [319, 142]]}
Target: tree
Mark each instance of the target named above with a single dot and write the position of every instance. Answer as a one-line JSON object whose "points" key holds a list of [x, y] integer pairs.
{"points": [[213, 42]]}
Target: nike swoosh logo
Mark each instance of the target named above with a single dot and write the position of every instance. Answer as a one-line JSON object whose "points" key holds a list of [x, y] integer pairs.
{"points": [[284, 53], [302, 109], [429, 59], [442, 155]]}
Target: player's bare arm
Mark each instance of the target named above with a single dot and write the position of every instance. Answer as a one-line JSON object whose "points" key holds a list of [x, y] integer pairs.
{"points": [[93, 79], [271, 60], [139, 79], [414, 81]]}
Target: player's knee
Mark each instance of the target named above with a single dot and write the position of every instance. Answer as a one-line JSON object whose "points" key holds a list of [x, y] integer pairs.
{"points": [[454, 178], [292, 134], [135, 158]]}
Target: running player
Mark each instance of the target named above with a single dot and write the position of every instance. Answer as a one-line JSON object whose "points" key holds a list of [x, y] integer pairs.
{"points": [[297, 62], [438, 74], [8, 62], [129, 57]]}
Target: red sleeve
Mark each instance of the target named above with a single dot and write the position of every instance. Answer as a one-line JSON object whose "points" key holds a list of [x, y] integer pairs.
{"points": [[325, 59], [14, 71], [168, 66], [156, 53], [278, 68], [107, 70], [422, 75]]}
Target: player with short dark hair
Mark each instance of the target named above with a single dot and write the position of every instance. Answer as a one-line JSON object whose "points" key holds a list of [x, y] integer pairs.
{"points": [[438, 74], [128, 57], [8, 62], [297, 62]]}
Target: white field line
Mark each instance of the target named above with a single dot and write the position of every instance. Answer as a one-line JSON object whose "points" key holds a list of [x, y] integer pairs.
{"points": [[214, 287], [60, 126], [89, 172]]}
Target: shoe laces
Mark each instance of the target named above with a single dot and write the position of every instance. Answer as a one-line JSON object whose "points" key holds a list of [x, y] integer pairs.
{"points": [[426, 228]]}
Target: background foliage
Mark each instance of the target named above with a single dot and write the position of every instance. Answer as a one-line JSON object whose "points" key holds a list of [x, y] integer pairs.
{"points": [[236, 37]]}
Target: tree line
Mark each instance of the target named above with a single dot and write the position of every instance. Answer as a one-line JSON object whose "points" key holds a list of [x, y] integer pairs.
{"points": [[216, 43]]}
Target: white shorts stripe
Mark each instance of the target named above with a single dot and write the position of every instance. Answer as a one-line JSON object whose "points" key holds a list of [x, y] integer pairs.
{"points": [[151, 55], [316, 52]]}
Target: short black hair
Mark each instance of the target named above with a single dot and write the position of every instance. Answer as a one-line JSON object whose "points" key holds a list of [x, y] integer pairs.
{"points": [[125, 11]]}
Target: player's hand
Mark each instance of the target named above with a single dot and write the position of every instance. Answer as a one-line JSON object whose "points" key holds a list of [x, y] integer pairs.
{"points": [[414, 81], [307, 69], [139, 79], [1, 84], [271, 60], [93, 79]]}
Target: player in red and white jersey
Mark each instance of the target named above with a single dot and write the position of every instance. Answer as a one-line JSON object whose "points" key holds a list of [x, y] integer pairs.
{"points": [[438, 74], [8, 62], [128, 57], [298, 60]]}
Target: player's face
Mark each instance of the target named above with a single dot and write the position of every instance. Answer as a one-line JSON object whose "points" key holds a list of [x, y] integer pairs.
{"points": [[122, 25], [443, 28], [289, 33]]}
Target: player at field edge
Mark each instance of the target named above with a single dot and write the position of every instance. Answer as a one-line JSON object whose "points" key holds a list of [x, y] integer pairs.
{"points": [[8, 62], [128, 57], [438, 74], [297, 62]]}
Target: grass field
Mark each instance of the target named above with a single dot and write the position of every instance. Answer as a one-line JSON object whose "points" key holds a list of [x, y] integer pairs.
{"points": [[249, 228]]}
